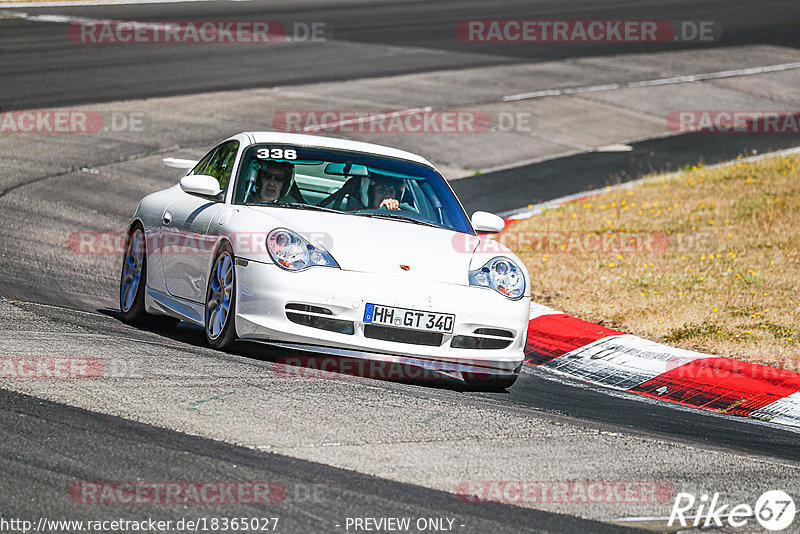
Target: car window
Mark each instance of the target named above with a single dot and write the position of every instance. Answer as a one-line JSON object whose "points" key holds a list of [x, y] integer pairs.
{"points": [[351, 183], [203, 163], [221, 164]]}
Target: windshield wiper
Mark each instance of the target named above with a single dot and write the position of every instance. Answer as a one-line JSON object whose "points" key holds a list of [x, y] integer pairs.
{"points": [[293, 205], [387, 215], [394, 217]]}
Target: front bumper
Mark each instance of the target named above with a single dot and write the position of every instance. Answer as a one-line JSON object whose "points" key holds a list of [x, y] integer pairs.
{"points": [[264, 290]]}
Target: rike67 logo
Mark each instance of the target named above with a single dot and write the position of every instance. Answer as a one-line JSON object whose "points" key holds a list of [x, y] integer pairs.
{"points": [[774, 510]]}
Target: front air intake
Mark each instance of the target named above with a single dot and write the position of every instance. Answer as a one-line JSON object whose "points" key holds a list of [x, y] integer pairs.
{"points": [[475, 342], [484, 339], [403, 335], [315, 317]]}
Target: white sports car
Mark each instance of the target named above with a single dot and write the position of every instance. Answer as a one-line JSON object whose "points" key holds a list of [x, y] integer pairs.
{"points": [[326, 245]]}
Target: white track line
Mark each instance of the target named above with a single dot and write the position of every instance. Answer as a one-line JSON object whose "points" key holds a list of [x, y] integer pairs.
{"points": [[649, 83], [68, 19], [69, 3]]}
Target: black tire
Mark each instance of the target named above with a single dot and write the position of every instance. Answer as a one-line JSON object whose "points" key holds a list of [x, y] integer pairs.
{"points": [[495, 383], [221, 338], [132, 306]]}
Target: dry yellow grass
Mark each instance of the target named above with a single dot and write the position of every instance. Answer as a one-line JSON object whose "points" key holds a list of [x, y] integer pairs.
{"points": [[708, 260]]}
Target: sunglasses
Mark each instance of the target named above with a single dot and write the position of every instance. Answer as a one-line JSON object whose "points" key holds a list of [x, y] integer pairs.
{"points": [[275, 176], [384, 186]]}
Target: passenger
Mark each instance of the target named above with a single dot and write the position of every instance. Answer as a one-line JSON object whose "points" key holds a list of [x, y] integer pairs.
{"points": [[360, 193], [385, 192]]}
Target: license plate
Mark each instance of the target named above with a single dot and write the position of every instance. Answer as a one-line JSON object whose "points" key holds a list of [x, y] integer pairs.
{"points": [[412, 319]]}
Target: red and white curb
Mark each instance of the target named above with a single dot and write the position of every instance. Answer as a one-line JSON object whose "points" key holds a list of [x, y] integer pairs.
{"points": [[600, 355], [565, 344]]}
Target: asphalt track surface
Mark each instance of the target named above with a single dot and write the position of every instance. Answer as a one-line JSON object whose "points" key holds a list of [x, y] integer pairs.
{"points": [[317, 497], [48, 444], [560, 177], [39, 67]]}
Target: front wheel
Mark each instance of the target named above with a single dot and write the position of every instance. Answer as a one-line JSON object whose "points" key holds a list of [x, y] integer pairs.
{"points": [[490, 383], [221, 301]]}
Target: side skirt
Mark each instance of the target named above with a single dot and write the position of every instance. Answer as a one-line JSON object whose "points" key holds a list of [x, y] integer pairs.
{"points": [[161, 303]]}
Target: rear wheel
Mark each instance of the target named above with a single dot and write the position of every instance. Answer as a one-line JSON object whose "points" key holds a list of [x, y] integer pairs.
{"points": [[220, 309], [132, 284]]}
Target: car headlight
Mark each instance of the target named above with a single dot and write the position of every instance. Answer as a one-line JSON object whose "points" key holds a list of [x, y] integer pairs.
{"points": [[290, 251], [501, 274]]}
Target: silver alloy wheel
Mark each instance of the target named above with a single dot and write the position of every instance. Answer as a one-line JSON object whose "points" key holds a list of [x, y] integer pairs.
{"points": [[218, 303], [132, 270]]}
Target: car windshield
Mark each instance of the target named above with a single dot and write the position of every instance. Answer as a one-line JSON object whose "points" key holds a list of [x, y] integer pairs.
{"points": [[347, 182]]}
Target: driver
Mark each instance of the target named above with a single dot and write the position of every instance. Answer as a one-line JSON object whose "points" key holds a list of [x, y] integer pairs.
{"points": [[273, 180]]}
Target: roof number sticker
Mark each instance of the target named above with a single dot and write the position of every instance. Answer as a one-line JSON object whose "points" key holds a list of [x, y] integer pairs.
{"points": [[277, 153]]}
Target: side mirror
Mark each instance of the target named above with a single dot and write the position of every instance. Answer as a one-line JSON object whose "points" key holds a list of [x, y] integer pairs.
{"points": [[483, 221], [200, 185]]}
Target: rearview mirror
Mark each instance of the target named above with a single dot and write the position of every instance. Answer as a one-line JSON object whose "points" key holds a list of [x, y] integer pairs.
{"points": [[483, 221], [200, 185], [346, 169]]}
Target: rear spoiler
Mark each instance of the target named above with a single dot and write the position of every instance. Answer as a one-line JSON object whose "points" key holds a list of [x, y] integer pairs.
{"points": [[177, 163]]}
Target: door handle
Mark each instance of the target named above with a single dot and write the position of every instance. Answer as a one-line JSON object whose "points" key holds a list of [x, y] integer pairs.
{"points": [[167, 218]]}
